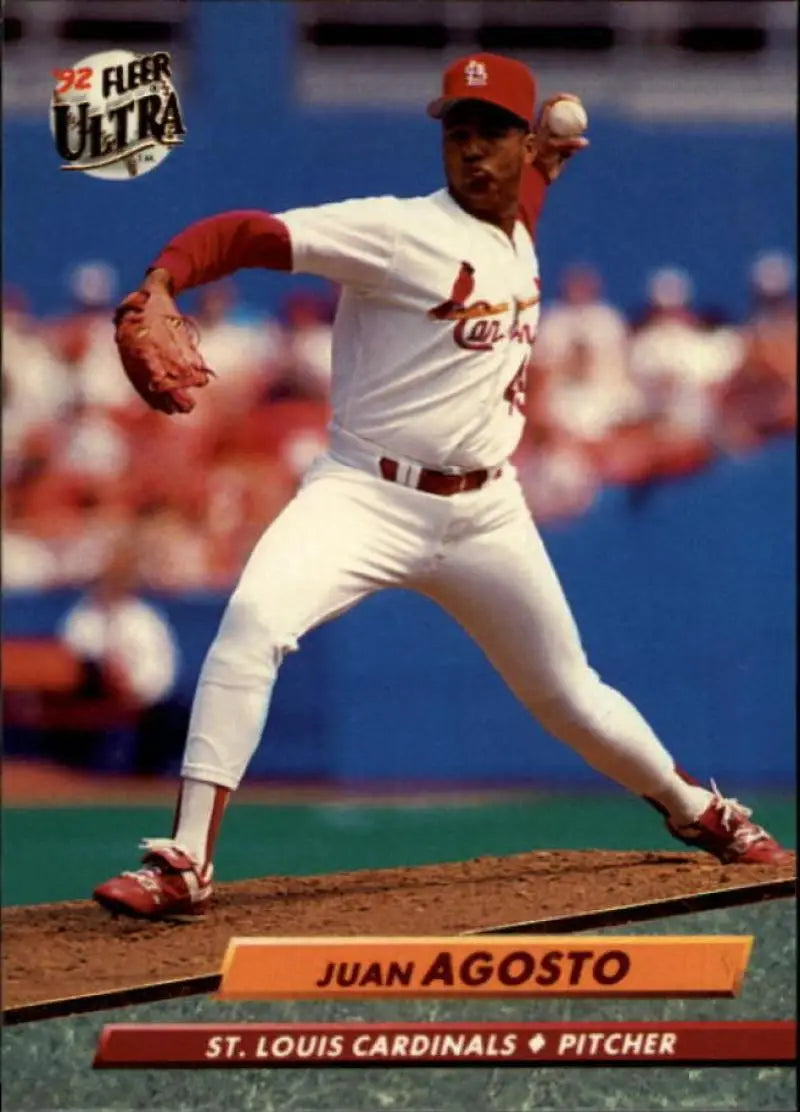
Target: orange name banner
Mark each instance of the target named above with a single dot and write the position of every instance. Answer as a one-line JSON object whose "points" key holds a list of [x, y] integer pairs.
{"points": [[516, 965]]}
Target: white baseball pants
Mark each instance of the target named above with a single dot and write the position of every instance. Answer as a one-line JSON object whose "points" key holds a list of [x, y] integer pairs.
{"points": [[348, 533]]}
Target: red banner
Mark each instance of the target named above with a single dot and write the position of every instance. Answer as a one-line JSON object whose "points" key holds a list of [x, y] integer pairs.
{"points": [[230, 1045]]}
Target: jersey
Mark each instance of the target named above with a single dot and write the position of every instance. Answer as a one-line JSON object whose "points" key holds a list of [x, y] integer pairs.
{"points": [[433, 330]]}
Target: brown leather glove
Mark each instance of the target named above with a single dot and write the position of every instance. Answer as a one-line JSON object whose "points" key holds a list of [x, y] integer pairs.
{"points": [[552, 151], [158, 349]]}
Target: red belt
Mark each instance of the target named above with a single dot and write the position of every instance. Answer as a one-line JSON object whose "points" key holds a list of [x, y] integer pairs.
{"points": [[438, 482]]}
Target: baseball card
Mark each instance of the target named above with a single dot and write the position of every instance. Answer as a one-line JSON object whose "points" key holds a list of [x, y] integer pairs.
{"points": [[399, 418]]}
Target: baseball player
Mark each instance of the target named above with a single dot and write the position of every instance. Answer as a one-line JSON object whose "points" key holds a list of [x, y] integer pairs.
{"points": [[438, 311]]}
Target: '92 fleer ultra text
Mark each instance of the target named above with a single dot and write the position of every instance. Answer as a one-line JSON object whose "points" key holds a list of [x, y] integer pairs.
{"points": [[116, 115]]}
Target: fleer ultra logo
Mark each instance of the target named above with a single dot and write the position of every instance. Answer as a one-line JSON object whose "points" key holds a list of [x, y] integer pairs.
{"points": [[116, 115]]}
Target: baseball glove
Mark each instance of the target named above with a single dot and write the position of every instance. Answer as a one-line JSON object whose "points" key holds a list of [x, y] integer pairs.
{"points": [[158, 349]]}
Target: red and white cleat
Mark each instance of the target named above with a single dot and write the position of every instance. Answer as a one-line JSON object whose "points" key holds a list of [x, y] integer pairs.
{"points": [[169, 885], [725, 830]]}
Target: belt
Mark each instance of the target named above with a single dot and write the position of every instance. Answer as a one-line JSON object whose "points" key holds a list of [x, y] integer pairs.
{"points": [[436, 482]]}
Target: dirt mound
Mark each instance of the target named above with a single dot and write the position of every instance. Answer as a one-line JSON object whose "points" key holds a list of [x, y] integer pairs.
{"points": [[69, 949]]}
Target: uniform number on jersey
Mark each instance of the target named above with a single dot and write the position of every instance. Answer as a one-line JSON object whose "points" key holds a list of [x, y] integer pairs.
{"points": [[515, 391]]}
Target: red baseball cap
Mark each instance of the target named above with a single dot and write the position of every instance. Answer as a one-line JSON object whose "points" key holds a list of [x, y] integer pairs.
{"points": [[491, 77]]}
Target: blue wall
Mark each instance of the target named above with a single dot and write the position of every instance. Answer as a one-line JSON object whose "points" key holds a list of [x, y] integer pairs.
{"points": [[704, 197], [686, 602]]}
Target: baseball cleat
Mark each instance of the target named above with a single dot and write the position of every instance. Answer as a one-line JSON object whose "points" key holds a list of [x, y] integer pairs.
{"points": [[725, 830], [169, 885]]}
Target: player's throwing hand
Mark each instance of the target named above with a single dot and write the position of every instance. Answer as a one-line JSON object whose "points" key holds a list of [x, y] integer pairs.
{"points": [[552, 150]]}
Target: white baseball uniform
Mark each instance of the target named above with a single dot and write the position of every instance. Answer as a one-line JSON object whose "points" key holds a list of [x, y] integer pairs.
{"points": [[432, 335]]}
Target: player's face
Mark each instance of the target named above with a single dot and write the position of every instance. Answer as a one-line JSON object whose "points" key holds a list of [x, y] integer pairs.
{"points": [[485, 150]]}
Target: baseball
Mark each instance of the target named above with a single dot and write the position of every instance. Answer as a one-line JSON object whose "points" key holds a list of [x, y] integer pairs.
{"points": [[567, 118]]}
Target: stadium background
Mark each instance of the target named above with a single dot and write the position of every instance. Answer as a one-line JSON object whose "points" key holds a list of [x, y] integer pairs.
{"points": [[684, 589]]}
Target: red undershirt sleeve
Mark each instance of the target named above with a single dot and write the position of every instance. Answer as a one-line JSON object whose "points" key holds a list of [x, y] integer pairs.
{"points": [[533, 189], [219, 245]]}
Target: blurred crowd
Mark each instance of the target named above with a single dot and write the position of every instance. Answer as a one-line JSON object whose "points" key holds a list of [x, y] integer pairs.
{"points": [[89, 470]]}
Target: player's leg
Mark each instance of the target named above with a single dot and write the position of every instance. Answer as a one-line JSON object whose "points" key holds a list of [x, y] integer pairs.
{"points": [[329, 548], [335, 543], [500, 585]]}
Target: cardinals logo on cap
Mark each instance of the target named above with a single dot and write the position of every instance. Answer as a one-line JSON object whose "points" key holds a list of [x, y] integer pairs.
{"points": [[475, 73]]}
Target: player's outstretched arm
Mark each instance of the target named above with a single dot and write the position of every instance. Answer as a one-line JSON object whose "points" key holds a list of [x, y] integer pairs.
{"points": [[212, 248], [157, 345], [348, 242]]}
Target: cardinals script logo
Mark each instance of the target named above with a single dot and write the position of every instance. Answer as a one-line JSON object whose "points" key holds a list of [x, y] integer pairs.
{"points": [[116, 115], [462, 288], [478, 327]]}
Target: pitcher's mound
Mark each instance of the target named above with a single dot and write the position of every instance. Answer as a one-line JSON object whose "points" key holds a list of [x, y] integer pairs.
{"points": [[70, 949]]}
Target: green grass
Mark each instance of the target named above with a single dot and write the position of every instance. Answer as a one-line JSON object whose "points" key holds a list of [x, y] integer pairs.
{"points": [[61, 853], [46, 1066]]}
